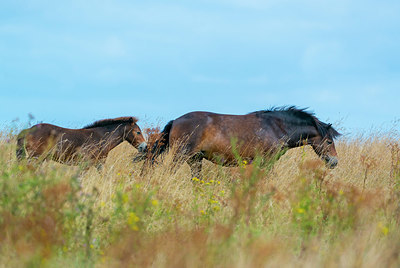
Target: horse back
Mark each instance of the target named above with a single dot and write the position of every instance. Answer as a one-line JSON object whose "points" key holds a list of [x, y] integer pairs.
{"points": [[189, 127], [215, 133], [45, 131], [210, 131], [43, 138]]}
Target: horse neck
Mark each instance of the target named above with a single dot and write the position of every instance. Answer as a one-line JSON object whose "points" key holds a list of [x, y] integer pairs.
{"points": [[302, 135], [111, 135]]}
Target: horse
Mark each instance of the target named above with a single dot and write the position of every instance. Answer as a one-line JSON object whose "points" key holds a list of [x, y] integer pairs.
{"points": [[90, 144], [206, 135]]}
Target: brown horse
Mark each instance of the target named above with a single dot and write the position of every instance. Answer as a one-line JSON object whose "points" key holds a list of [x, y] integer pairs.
{"points": [[90, 144], [209, 136]]}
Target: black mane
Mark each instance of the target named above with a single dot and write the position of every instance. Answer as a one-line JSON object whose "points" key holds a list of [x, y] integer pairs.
{"points": [[108, 122], [324, 129]]}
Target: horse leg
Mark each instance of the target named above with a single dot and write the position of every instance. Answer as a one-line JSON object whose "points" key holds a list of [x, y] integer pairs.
{"points": [[147, 165], [99, 166], [34, 158], [195, 163]]}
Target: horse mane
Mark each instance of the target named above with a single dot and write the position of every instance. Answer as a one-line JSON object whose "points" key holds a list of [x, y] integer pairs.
{"points": [[324, 129], [114, 121]]}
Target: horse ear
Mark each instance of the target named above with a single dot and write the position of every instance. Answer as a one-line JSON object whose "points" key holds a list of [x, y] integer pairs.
{"points": [[132, 119], [329, 126]]}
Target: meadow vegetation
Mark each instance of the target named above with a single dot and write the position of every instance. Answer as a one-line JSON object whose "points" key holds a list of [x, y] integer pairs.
{"points": [[286, 212]]}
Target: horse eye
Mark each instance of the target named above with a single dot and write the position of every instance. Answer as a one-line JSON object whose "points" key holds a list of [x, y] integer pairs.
{"points": [[138, 132], [329, 142]]}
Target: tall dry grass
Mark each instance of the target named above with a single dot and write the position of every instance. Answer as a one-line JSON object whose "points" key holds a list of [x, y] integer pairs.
{"points": [[292, 212]]}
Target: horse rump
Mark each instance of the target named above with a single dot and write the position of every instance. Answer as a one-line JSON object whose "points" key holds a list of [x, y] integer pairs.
{"points": [[162, 144], [20, 151]]}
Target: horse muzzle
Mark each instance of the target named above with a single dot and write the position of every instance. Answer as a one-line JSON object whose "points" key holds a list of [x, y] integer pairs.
{"points": [[331, 162], [142, 147]]}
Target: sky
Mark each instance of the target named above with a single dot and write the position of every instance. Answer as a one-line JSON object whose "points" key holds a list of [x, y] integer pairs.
{"points": [[73, 62]]}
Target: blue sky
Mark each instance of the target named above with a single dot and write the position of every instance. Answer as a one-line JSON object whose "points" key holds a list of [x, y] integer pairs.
{"points": [[73, 62]]}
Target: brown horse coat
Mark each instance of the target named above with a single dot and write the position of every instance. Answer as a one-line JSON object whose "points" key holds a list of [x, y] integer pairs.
{"points": [[210, 135], [72, 146]]}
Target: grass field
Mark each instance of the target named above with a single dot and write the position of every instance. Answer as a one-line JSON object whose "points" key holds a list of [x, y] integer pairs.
{"points": [[294, 212]]}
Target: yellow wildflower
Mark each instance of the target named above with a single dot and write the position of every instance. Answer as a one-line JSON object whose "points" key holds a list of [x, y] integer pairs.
{"points": [[125, 198], [154, 202], [132, 219], [384, 229], [301, 210]]}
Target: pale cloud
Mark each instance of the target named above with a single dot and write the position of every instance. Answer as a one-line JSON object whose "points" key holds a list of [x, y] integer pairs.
{"points": [[114, 47], [252, 80], [323, 56], [327, 96], [374, 90], [208, 79]]}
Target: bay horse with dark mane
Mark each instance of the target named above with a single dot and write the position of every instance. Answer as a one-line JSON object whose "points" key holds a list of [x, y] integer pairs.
{"points": [[90, 144], [205, 135]]}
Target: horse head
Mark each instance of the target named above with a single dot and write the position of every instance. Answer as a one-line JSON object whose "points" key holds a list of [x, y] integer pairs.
{"points": [[134, 135], [323, 144]]}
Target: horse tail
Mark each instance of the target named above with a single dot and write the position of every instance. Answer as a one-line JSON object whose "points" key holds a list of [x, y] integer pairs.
{"points": [[20, 151], [162, 144]]}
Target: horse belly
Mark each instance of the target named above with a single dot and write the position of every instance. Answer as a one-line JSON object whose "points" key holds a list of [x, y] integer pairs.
{"points": [[218, 148], [74, 150]]}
